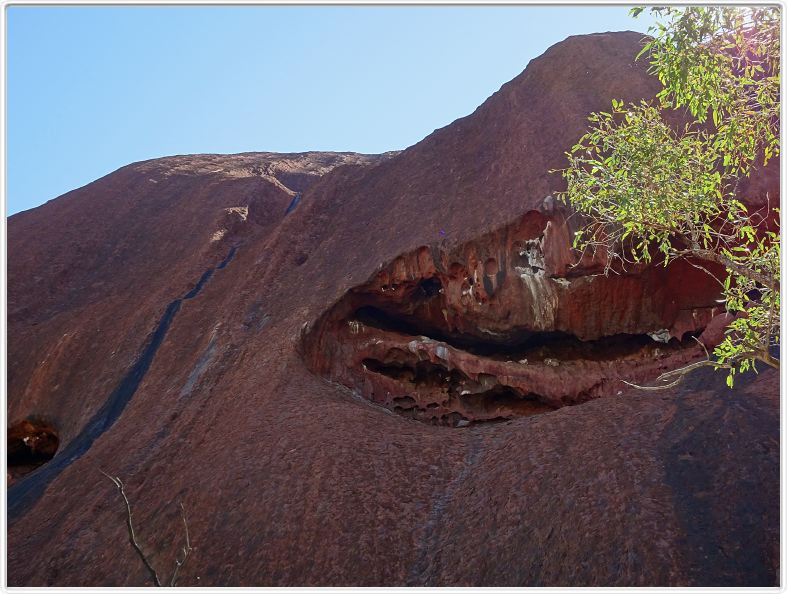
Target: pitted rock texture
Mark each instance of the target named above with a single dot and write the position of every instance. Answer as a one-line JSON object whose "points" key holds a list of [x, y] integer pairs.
{"points": [[500, 326], [292, 478]]}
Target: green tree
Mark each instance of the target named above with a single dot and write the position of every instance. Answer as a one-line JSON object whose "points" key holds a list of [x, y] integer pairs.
{"points": [[650, 190]]}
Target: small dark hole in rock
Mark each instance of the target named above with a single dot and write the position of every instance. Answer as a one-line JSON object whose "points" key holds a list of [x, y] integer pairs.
{"points": [[405, 401], [430, 287], [31, 443]]}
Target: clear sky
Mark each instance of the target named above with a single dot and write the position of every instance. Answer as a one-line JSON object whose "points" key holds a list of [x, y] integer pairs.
{"points": [[90, 89]]}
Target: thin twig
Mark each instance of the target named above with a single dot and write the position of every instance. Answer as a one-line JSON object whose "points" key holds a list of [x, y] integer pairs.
{"points": [[132, 537], [679, 373], [186, 549], [699, 342], [705, 270], [654, 388]]}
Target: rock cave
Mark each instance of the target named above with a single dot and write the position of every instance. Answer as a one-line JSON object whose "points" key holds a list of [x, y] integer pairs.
{"points": [[31, 443], [495, 328]]}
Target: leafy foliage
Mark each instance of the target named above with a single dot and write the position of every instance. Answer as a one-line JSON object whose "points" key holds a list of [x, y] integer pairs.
{"points": [[649, 188]]}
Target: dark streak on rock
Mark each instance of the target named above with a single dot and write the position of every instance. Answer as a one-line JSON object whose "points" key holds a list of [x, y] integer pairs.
{"points": [[25, 493], [720, 512], [293, 203], [424, 570]]}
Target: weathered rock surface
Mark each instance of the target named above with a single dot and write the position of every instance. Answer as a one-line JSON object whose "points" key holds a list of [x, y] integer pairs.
{"points": [[501, 326], [217, 329], [89, 273]]}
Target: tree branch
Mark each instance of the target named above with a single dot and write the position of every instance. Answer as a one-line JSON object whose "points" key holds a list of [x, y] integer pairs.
{"points": [[735, 267], [679, 374], [765, 357], [132, 537], [186, 549]]}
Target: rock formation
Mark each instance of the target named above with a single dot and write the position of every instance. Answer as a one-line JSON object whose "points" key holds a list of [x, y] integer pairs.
{"points": [[500, 326], [309, 352]]}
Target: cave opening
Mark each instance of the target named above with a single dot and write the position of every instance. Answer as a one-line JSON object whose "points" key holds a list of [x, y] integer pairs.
{"points": [[520, 344], [430, 287], [419, 334], [449, 397], [504, 399], [422, 374], [31, 443]]}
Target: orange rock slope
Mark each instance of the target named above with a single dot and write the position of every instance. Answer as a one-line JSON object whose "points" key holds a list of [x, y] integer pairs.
{"points": [[359, 370]]}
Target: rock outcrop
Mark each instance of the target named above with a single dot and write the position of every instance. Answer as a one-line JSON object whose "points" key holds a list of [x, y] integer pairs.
{"points": [[238, 333], [501, 326]]}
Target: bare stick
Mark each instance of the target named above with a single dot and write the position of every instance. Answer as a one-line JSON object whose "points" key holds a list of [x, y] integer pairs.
{"points": [[699, 342], [131, 535], [750, 274], [679, 374], [706, 271], [186, 549], [654, 388]]}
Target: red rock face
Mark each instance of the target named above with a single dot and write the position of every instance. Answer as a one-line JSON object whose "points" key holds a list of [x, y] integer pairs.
{"points": [[191, 326], [500, 326], [91, 272]]}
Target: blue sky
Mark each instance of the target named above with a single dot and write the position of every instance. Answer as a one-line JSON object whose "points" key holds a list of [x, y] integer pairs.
{"points": [[90, 89]]}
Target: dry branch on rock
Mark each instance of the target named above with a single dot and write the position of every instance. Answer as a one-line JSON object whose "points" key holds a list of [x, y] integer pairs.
{"points": [[185, 551]]}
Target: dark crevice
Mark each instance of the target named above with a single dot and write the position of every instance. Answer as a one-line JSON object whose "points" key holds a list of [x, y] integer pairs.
{"points": [[430, 287], [228, 258], [28, 490], [409, 325], [508, 397], [430, 392], [423, 375], [293, 203], [444, 395], [200, 283], [458, 400], [524, 344]]}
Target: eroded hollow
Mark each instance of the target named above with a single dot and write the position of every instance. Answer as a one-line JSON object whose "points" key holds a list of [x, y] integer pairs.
{"points": [[448, 377], [512, 323], [408, 363], [449, 397], [31, 443], [523, 344]]}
